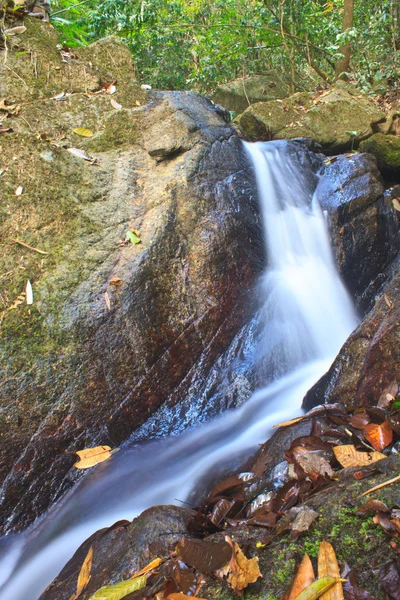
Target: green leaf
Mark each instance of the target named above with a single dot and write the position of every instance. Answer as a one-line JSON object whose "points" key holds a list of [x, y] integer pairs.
{"points": [[132, 237], [83, 132], [317, 588], [120, 590]]}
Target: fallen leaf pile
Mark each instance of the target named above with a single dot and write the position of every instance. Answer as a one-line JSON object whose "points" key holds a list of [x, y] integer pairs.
{"points": [[338, 440], [180, 575]]}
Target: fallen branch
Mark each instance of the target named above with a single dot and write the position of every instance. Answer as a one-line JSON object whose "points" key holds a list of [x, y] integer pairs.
{"points": [[381, 485], [27, 246]]}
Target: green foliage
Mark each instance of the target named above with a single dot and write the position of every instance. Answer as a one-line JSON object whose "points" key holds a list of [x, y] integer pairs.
{"points": [[198, 44]]}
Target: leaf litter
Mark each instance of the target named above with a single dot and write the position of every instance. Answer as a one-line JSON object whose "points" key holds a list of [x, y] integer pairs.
{"points": [[313, 461]]}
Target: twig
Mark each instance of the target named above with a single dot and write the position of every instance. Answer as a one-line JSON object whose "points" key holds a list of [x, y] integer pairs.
{"points": [[27, 246], [381, 485], [244, 90], [57, 12]]}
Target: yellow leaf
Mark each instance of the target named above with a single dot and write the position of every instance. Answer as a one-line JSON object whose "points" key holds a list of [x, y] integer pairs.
{"points": [[328, 567], [91, 456], [243, 570], [83, 132], [120, 590], [287, 423], [84, 574], [317, 588], [304, 577], [349, 457], [153, 565]]}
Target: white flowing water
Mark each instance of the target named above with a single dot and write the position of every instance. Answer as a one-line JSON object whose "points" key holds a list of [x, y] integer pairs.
{"points": [[307, 316]]}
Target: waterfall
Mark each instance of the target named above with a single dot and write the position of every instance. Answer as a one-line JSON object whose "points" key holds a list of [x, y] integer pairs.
{"points": [[306, 317], [307, 312]]}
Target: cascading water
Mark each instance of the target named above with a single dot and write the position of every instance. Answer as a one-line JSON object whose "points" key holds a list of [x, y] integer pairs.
{"points": [[306, 317]]}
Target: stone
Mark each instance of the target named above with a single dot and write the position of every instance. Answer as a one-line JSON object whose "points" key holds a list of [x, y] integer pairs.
{"points": [[337, 119], [364, 230], [386, 149], [122, 549], [351, 190], [237, 94], [89, 362]]}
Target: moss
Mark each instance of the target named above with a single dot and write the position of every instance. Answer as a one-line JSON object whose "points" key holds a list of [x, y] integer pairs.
{"points": [[386, 149], [120, 130], [286, 572]]}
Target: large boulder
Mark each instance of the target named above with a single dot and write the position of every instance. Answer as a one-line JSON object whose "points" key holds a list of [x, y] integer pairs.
{"points": [[386, 149], [238, 94], [115, 329], [338, 119], [364, 229]]}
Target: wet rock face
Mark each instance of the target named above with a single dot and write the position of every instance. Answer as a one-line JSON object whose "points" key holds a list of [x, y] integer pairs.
{"points": [[91, 360], [364, 230]]}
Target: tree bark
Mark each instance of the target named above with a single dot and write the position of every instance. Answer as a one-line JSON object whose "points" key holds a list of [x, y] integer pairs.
{"points": [[343, 64]]}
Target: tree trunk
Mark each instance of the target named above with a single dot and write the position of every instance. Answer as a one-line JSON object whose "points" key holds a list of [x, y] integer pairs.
{"points": [[343, 64]]}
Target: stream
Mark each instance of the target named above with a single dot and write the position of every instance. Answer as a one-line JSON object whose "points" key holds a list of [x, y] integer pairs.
{"points": [[306, 317]]}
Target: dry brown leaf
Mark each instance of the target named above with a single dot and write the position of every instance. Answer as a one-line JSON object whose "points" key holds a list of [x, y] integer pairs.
{"points": [[348, 456], [328, 567], [243, 570], [396, 204], [380, 436], [304, 577], [313, 463], [84, 574], [303, 520], [388, 301], [115, 281], [291, 422], [153, 565], [107, 300], [92, 456]]}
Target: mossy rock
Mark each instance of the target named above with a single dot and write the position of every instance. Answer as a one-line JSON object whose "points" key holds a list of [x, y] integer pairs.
{"points": [[386, 149], [337, 119], [236, 95]]}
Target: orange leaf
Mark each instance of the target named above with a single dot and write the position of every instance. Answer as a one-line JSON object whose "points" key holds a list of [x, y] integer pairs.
{"points": [[84, 574], [153, 565], [348, 456], [379, 436], [328, 567], [304, 577]]}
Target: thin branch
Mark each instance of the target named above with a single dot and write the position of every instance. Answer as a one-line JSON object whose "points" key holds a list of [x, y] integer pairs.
{"points": [[58, 12], [27, 246]]}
